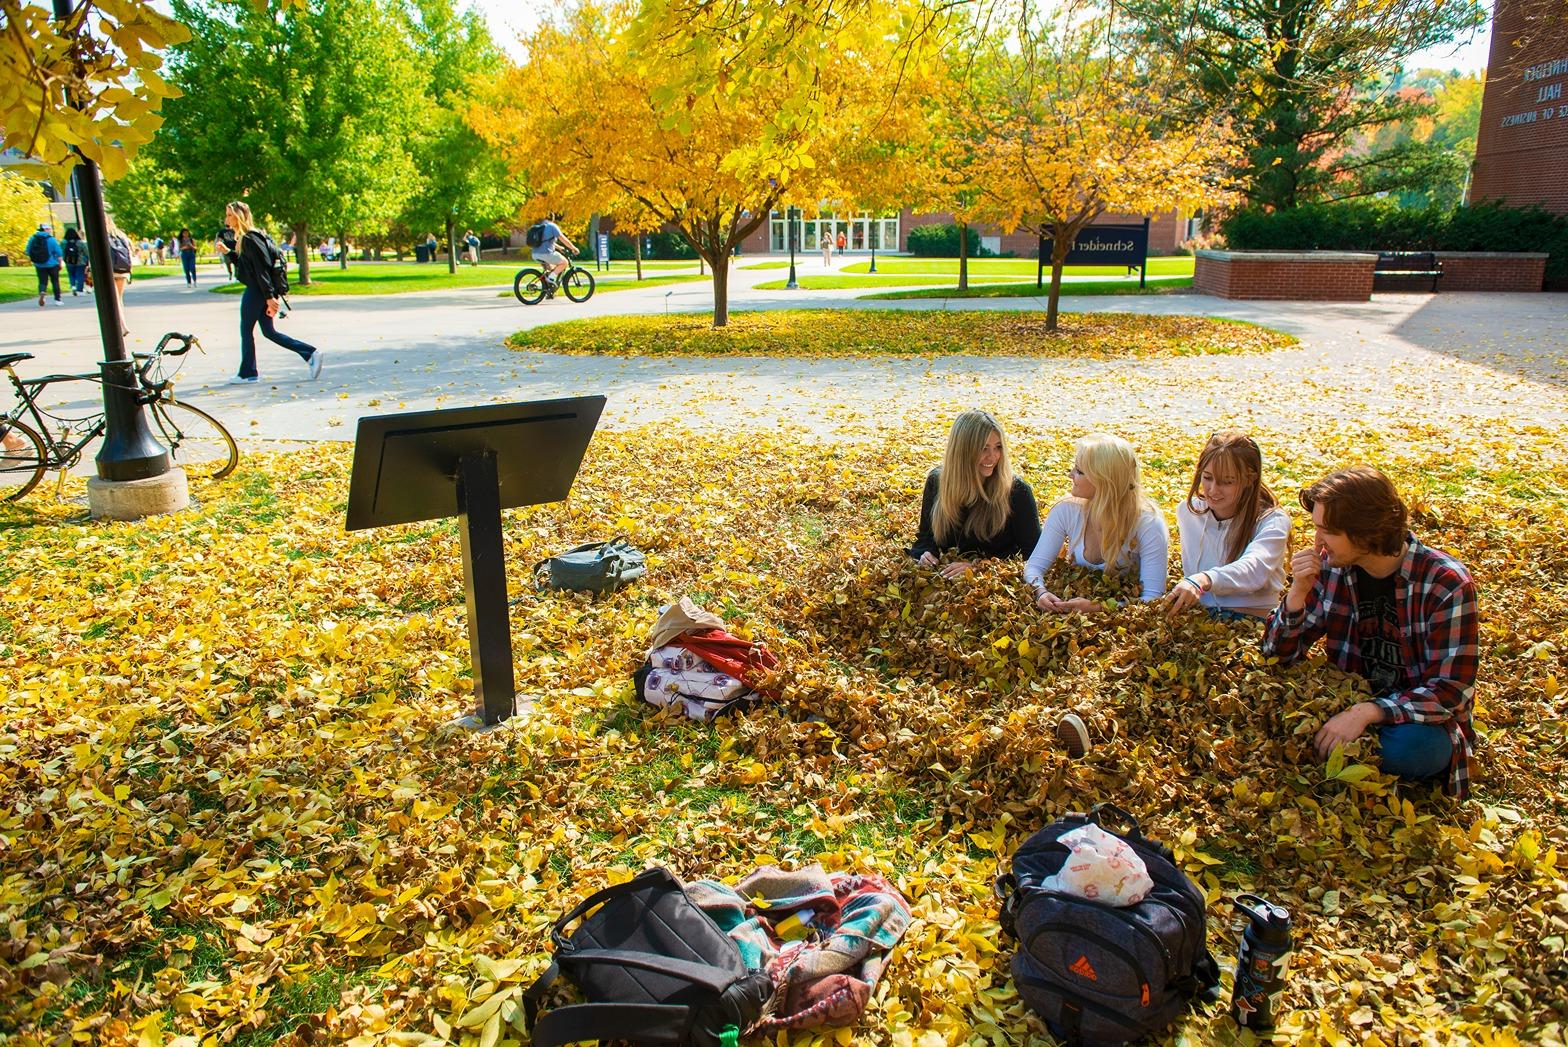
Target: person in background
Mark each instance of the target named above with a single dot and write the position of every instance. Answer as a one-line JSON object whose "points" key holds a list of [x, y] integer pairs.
{"points": [[1398, 613], [431, 246], [43, 250], [228, 249], [259, 304], [187, 245], [74, 254], [1233, 534], [471, 244], [973, 503], [827, 251]]}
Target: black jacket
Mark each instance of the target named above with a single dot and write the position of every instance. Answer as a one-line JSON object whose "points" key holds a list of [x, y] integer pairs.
{"points": [[1017, 537], [253, 264]]}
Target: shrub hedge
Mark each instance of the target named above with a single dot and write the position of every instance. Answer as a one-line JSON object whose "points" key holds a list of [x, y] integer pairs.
{"points": [[1379, 225], [941, 241]]}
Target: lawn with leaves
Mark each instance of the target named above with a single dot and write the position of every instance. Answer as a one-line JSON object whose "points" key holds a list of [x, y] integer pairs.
{"points": [[883, 332], [231, 807]]}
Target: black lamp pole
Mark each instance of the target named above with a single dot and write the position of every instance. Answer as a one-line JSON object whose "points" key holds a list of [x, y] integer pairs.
{"points": [[876, 234], [130, 451], [790, 218]]}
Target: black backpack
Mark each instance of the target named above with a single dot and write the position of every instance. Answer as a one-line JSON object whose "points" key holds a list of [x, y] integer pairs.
{"points": [[38, 249], [119, 254], [72, 252], [535, 236], [655, 968], [277, 267], [1099, 974]]}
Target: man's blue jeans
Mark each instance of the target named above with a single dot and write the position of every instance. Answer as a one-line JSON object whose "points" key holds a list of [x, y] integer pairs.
{"points": [[1415, 751]]}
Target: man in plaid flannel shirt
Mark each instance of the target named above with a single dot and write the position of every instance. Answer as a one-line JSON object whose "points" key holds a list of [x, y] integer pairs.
{"points": [[1393, 610]]}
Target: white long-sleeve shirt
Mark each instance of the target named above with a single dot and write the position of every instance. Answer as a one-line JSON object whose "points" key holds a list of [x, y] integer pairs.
{"points": [[1251, 583], [1064, 524]]}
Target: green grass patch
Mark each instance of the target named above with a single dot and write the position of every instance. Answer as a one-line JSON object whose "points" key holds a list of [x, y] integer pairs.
{"points": [[365, 278], [839, 281], [1073, 290], [18, 283], [869, 332]]}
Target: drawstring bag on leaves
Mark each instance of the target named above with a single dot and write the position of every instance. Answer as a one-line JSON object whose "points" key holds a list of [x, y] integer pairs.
{"points": [[1098, 972], [696, 661], [596, 568], [654, 968], [824, 939]]}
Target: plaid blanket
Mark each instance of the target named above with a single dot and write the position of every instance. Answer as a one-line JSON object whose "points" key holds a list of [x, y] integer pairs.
{"points": [[823, 938]]}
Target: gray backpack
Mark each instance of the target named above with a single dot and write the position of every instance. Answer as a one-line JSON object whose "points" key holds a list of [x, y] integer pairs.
{"points": [[1100, 974], [597, 567]]}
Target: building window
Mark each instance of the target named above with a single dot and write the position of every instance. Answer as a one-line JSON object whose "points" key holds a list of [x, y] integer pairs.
{"points": [[862, 232]]}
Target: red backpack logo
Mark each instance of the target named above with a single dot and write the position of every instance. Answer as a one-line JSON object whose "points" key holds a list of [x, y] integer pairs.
{"points": [[1084, 969]]}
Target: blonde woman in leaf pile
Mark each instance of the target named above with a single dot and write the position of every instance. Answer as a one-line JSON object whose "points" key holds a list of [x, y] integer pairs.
{"points": [[1106, 523], [1233, 534], [973, 503]]}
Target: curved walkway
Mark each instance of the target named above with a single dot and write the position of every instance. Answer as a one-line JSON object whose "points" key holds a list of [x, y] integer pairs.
{"points": [[1458, 359]]}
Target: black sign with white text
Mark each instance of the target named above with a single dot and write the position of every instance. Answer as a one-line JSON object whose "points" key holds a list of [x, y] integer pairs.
{"points": [[1105, 245]]}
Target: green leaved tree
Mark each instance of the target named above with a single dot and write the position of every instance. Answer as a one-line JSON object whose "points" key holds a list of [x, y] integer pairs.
{"points": [[305, 112]]}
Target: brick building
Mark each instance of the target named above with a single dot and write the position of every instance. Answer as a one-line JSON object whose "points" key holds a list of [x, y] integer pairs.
{"points": [[1521, 154], [863, 231]]}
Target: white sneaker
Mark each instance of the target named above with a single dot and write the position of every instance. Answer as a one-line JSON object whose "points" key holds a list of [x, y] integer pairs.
{"points": [[242, 380], [59, 301], [1073, 735], [315, 365]]}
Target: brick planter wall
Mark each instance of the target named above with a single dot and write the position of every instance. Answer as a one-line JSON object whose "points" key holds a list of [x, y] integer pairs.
{"points": [[1491, 271], [1315, 276]]}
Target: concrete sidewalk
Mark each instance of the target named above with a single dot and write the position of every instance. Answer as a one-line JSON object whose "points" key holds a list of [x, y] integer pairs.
{"points": [[1465, 358]]}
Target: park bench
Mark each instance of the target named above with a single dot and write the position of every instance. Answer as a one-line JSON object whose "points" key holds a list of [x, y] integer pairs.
{"points": [[1397, 270]]}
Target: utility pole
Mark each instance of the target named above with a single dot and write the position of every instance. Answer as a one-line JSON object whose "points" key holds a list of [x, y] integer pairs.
{"points": [[130, 454]]}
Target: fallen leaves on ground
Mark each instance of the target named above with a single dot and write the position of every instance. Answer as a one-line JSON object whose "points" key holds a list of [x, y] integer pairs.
{"points": [[888, 332], [234, 812]]}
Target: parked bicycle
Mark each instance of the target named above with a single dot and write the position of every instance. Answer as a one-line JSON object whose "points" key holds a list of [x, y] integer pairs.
{"points": [[34, 440], [533, 286]]}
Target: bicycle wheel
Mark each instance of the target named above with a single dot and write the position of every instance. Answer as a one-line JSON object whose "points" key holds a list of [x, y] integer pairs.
{"points": [[578, 284], [529, 287], [21, 466], [198, 442]]}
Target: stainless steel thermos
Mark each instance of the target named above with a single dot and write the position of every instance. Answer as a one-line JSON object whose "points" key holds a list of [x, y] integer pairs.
{"points": [[1260, 963]]}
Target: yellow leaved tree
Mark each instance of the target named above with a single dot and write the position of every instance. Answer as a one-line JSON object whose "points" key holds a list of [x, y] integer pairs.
{"points": [[1060, 128], [597, 112], [104, 58]]}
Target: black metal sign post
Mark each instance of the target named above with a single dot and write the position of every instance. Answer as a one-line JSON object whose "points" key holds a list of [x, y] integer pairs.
{"points": [[1103, 245], [472, 462], [791, 216]]}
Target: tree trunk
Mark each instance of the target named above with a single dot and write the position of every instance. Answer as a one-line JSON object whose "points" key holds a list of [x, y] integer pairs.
{"points": [[699, 266], [1056, 293], [342, 250], [721, 286], [451, 248], [963, 256], [637, 247], [302, 253]]}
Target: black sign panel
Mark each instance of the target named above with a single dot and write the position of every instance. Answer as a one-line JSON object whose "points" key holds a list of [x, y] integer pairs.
{"points": [[1105, 245]]}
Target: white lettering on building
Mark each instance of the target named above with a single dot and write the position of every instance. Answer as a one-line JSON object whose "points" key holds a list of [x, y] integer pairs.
{"points": [[1546, 70]]}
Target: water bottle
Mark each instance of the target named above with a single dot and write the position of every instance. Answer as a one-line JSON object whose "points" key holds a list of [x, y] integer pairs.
{"points": [[1260, 963]]}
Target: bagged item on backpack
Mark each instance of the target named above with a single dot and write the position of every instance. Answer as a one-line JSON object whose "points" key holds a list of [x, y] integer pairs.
{"points": [[1101, 867], [596, 567], [654, 968], [1100, 974], [748, 660]]}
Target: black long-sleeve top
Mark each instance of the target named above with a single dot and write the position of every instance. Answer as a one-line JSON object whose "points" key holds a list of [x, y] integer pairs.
{"points": [[1017, 537]]}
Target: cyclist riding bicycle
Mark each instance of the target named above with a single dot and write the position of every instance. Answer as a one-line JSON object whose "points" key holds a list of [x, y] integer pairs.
{"points": [[548, 255]]}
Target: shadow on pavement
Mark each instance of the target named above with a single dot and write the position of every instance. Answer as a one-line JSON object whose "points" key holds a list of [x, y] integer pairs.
{"points": [[1520, 334]]}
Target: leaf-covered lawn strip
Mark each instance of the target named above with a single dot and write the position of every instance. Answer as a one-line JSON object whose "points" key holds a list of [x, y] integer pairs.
{"points": [[892, 332], [236, 809]]}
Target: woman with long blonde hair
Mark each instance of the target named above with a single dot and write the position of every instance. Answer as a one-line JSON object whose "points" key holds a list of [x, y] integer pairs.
{"points": [[1106, 522], [262, 297], [973, 503]]}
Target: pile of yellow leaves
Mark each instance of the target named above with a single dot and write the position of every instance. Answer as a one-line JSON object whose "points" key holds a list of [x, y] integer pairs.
{"points": [[232, 809], [900, 332]]}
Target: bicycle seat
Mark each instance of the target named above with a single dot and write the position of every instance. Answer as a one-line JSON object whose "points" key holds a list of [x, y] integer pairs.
{"points": [[7, 359]]}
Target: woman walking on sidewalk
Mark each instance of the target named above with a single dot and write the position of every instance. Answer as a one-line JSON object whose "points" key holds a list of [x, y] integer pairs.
{"points": [[187, 244], [260, 302]]}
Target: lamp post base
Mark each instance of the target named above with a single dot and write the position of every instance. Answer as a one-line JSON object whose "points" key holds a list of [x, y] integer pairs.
{"points": [[137, 499]]}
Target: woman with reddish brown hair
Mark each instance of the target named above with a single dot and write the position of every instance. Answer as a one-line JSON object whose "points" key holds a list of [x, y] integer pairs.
{"points": [[1233, 534]]}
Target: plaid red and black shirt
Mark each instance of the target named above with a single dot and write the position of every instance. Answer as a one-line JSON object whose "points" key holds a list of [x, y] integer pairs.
{"points": [[1435, 599]]}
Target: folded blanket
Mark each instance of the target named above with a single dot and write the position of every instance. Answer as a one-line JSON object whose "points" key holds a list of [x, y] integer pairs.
{"points": [[824, 938]]}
